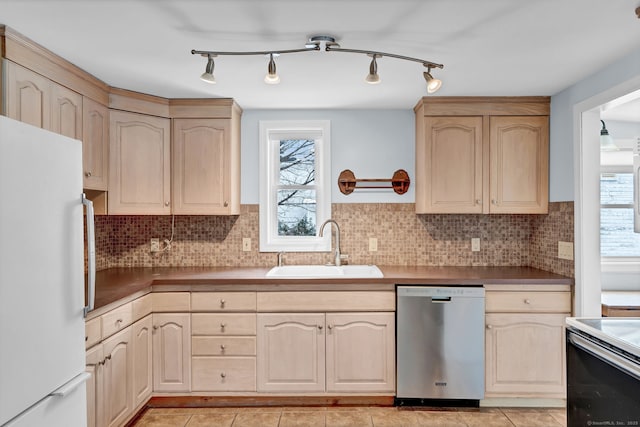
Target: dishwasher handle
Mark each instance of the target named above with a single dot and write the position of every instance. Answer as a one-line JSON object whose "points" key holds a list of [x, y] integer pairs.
{"points": [[440, 300]]}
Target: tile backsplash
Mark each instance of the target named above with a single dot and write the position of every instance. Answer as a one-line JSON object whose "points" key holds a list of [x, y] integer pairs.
{"points": [[404, 238]]}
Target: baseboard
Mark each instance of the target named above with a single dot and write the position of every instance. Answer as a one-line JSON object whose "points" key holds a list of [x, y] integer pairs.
{"points": [[523, 402], [253, 401]]}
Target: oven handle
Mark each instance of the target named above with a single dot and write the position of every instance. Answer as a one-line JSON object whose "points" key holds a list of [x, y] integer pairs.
{"points": [[605, 355]]}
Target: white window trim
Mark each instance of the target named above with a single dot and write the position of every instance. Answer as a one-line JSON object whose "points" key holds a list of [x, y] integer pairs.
{"points": [[271, 132]]}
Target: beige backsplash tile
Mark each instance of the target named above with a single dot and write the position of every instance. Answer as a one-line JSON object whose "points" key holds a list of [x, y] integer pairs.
{"points": [[404, 238]]}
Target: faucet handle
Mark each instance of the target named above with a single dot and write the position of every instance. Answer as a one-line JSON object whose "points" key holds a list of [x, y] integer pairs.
{"points": [[280, 260]]}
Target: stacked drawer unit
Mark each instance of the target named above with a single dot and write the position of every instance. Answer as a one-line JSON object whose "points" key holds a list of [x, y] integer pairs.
{"points": [[223, 341]]}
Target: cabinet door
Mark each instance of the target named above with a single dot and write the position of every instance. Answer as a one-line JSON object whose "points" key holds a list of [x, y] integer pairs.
{"points": [[139, 164], [95, 145], [28, 96], [519, 168], [118, 377], [171, 352], [142, 361], [202, 165], [525, 355], [450, 157], [66, 112], [290, 352], [361, 352], [95, 392]]}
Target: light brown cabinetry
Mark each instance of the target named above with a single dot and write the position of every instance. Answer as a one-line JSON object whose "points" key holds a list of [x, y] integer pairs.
{"points": [[66, 112], [524, 341], [95, 145], [118, 378], [171, 352], [28, 96], [142, 360], [95, 386], [139, 164], [482, 155], [203, 164]]}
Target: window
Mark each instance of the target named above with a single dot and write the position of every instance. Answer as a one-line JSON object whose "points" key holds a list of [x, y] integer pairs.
{"points": [[295, 192], [617, 238]]}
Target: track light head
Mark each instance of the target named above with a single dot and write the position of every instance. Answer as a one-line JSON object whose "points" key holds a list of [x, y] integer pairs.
{"points": [[432, 84], [272, 78], [207, 76], [373, 78]]}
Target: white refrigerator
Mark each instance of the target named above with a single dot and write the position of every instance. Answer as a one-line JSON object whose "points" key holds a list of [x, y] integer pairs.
{"points": [[42, 302]]}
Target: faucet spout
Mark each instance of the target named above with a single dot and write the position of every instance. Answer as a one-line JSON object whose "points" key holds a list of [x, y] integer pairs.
{"points": [[336, 260]]}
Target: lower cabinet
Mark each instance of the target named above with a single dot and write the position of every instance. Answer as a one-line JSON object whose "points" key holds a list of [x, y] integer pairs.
{"points": [[171, 352], [142, 361], [332, 352], [118, 377], [95, 388]]}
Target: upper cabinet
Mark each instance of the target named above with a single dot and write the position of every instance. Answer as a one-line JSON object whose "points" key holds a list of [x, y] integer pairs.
{"points": [[482, 155], [95, 147], [66, 112], [27, 96], [139, 171]]}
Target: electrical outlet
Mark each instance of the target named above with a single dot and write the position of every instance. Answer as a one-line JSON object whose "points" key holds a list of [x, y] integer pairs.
{"points": [[475, 244], [565, 250], [155, 245], [373, 244], [246, 244]]}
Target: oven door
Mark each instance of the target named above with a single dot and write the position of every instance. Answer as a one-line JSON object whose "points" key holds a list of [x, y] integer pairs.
{"points": [[603, 384]]}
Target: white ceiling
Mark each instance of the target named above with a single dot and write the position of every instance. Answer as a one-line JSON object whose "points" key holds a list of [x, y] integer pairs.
{"points": [[488, 47]]}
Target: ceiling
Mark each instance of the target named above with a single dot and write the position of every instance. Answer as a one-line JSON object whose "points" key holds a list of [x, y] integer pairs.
{"points": [[488, 47]]}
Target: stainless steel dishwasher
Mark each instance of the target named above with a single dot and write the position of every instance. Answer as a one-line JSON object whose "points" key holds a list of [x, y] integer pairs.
{"points": [[440, 345]]}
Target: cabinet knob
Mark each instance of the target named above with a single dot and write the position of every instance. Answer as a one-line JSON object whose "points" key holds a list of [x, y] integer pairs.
{"points": [[107, 358], [478, 202], [320, 327], [222, 303], [223, 375], [526, 301], [118, 322], [493, 202], [86, 338], [225, 204], [166, 203], [330, 327], [223, 347], [489, 327], [223, 325], [155, 327], [87, 174]]}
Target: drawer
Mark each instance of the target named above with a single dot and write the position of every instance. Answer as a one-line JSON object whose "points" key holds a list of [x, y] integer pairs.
{"points": [[141, 307], [223, 346], [528, 302], [166, 302], [223, 324], [92, 332], [323, 301], [223, 301], [116, 319], [223, 374]]}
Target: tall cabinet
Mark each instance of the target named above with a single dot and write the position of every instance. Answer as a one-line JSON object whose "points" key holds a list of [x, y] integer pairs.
{"points": [[482, 155]]}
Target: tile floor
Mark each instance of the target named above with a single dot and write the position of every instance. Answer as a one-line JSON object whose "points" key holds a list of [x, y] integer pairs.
{"points": [[352, 417]]}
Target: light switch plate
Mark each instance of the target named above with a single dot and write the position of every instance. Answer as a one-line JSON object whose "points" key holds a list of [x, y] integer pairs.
{"points": [[373, 244], [475, 244], [565, 250], [154, 245], [246, 244]]}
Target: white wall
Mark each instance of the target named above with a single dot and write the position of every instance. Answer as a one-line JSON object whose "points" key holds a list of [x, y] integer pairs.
{"points": [[561, 167], [372, 143]]}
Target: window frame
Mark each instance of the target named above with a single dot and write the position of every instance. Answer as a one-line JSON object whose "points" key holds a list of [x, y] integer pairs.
{"points": [[271, 133]]}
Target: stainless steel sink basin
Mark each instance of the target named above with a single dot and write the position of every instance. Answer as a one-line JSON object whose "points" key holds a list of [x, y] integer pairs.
{"points": [[326, 271]]}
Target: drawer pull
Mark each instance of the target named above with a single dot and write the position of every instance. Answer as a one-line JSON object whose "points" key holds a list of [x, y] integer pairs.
{"points": [[527, 301], [222, 303], [222, 326], [223, 375], [223, 347]]}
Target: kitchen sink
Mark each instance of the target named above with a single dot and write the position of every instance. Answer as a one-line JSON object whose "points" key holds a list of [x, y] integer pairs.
{"points": [[326, 271]]}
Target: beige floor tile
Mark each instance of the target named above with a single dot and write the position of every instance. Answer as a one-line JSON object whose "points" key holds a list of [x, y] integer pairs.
{"points": [[304, 408], [303, 419], [211, 420], [485, 419], [439, 419], [163, 420], [559, 414], [256, 419], [172, 411], [530, 418], [260, 409], [348, 418], [394, 419]]}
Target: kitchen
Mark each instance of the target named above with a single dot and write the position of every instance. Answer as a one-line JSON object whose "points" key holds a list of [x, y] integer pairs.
{"points": [[406, 239]]}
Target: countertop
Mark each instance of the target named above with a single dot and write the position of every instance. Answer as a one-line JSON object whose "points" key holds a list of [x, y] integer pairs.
{"points": [[117, 283]]}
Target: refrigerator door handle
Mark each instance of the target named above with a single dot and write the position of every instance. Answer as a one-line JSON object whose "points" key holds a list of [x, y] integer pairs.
{"points": [[76, 382], [91, 255]]}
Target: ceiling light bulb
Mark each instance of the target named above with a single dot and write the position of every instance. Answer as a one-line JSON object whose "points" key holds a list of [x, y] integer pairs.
{"points": [[207, 76], [373, 78], [272, 78], [606, 142], [432, 84]]}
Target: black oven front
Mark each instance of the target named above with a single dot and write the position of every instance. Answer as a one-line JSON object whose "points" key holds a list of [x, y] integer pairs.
{"points": [[603, 383]]}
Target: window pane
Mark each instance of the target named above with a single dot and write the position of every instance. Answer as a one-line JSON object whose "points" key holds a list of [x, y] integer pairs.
{"points": [[616, 188], [296, 212], [297, 161], [616, 233]]}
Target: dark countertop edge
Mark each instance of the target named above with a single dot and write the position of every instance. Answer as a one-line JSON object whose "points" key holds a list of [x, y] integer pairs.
{"points": [[114, 284]]}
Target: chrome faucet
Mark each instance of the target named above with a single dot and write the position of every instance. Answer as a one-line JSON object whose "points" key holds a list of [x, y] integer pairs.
{"points": [[280, 260], [337, 251]]}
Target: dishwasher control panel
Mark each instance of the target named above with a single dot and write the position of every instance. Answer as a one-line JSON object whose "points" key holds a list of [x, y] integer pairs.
{"points": [[441, 291]]}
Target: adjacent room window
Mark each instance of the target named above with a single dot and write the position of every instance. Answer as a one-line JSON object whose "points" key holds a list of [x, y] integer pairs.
{"points": [[295, 192], [617, 238]]}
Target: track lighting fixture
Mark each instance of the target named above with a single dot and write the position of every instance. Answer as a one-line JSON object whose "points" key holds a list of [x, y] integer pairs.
{"points": [[432, 84], [272, 77], [328, 44], [373, 78], [207, 76]]}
